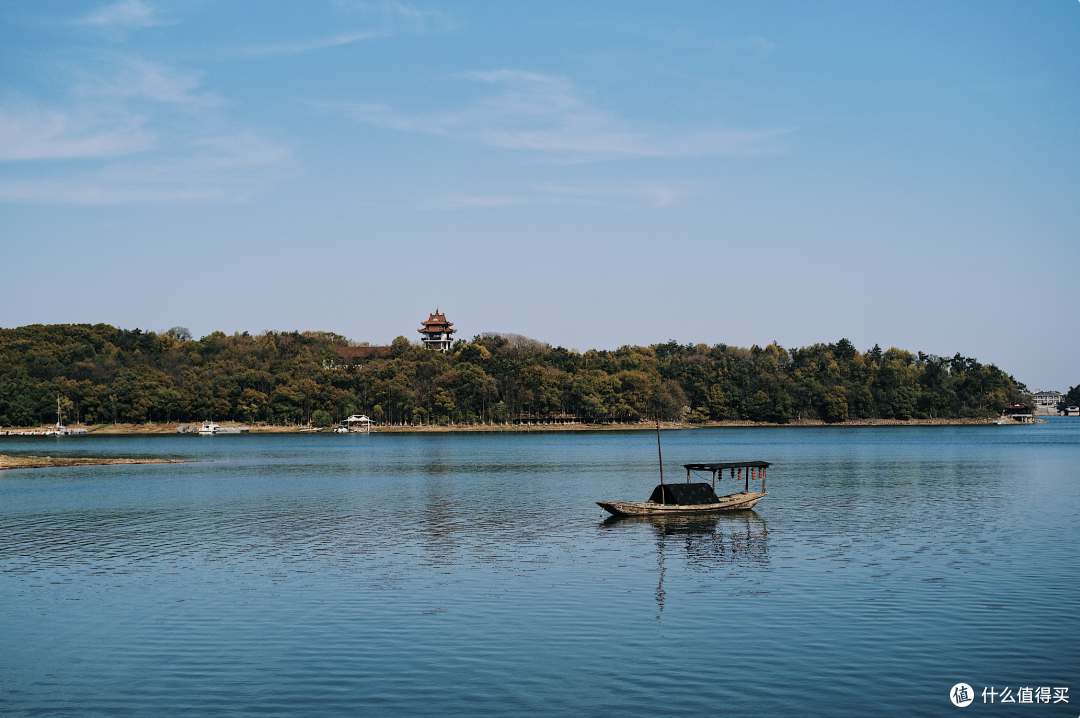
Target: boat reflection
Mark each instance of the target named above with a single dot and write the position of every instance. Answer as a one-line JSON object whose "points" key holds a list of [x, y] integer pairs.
{"points": [[704, 543]]}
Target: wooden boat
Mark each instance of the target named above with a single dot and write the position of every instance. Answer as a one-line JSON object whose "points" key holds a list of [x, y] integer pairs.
{"points": [[693, 498]]}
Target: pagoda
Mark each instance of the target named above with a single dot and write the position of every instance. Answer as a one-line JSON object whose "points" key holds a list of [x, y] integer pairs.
{"points": [[437, 332]]}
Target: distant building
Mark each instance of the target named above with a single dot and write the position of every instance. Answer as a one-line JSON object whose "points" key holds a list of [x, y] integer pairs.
{"points": [[437, 333], [1048, 398]]}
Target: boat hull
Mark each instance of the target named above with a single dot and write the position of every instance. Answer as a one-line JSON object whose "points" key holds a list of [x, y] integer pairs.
{"points": [[733, 502]]}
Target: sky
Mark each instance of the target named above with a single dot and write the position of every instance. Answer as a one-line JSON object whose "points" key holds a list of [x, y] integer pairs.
{"points": [[591, 175]]}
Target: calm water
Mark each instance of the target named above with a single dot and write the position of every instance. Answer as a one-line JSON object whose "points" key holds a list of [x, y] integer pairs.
{"points": [[473, 574]]}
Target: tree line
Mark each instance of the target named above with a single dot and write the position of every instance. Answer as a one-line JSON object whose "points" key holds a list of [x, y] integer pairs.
{"points": [[104, 374]]}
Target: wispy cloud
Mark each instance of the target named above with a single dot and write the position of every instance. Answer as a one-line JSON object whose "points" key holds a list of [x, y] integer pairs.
{"points": [[122, 16], [544, 114], [651, 196], [386, 19], [244, 150], [110, 111], [100, 193], [400, 15], [141, 131], [30, 133], [237, 154], [127, 77], [218, 169], [320, 43]]}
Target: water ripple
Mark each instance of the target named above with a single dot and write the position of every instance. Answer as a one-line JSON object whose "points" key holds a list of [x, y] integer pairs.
{"points": [[464, 574]]}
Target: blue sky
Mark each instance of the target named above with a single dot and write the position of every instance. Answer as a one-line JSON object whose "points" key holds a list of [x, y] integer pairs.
{"points": [[587, 174]]}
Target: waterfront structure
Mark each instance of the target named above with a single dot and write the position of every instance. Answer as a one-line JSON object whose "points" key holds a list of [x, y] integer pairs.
{"points": [[437, 333], [358, 423], [1019, 412]]}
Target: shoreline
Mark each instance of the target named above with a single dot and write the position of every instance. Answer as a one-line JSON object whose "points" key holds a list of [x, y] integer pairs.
{"points": [[676, 425], [42, 462], [171, 428]]}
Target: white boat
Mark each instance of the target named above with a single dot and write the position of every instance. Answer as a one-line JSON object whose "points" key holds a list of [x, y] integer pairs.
{"points": [[60, 429], [208, 428], [341, 430]]}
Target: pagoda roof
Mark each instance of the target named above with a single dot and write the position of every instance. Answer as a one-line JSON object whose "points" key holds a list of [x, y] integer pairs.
{"points": [[437, 323], [437, 318]]}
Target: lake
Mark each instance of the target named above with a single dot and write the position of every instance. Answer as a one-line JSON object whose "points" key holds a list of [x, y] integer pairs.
{"points": [[466, 574]]}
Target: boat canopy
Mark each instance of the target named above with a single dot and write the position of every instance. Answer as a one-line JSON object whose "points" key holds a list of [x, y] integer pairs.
{"points": [[753, 468], [727, 465]]}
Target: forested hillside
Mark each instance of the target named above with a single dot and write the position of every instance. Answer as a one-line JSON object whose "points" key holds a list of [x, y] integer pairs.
{"points": [[104, 374]]}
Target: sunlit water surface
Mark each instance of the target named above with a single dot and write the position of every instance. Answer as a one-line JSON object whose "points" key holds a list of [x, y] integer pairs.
{"points": [[465, 574]]}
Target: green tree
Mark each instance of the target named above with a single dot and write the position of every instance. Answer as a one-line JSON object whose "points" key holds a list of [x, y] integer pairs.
{"points": [[759, 407], [593, 392], [635, 391], [166, 402], [671, 400], [252, 403], [834, 405], [717, 403], [133, 375]]}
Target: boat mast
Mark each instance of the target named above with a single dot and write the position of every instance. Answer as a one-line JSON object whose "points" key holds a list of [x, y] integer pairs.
{"points": [[659, 453]]}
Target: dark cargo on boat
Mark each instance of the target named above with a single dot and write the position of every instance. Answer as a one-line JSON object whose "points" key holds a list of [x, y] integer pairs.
{"points": [[684, 494]]}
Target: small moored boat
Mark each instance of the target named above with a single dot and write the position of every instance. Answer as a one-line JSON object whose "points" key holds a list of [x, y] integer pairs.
{"points": [[60, 429], [698, 497], [692, 498], [208, 428]]}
